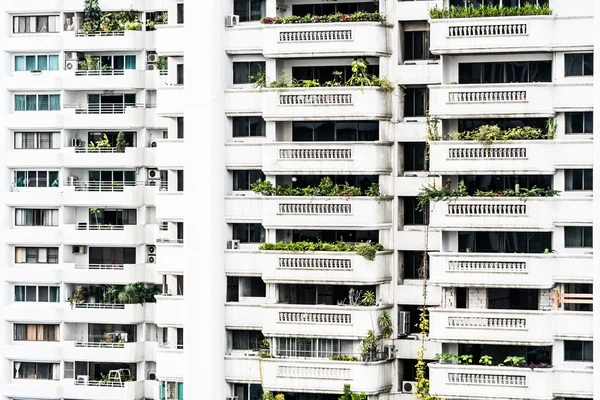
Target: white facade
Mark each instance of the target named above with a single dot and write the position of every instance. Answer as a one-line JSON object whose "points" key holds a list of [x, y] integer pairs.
{"points": [[508, 276]]}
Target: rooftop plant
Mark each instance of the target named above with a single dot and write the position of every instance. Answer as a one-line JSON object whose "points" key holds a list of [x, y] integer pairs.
{"points": [[365, 249], [359, 16], [489, 11], [487, 134], [325, 188]]}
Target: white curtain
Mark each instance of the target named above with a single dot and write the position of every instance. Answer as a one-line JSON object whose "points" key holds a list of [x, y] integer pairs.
{"points": [[17, 366], [20, 255], [56, 371]]}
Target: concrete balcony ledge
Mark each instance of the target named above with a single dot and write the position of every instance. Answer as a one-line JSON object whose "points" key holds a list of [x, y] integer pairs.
{"points": [[107, 274], [93, 390], [169, 363], [508, 99], [343, 39], [123, 41], [170, 258], [170, 39], [344, 322], [490, 213], [104, 352], [169, 310], [542, 271], [103, 235], [87, 194], [82, 157], [103, 80], [170, 101], [325, 376], [525, 33], [481, 382], [170, 206], [168, 153], [99, 313], [323, 267], [452, 157]]}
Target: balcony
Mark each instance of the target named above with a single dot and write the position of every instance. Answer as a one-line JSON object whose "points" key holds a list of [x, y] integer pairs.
{"points": [[466, 381], [108, 116], [170, 257], [168, 153], [323, 375], [342, 322], [510, 34], [170, 101], [100, 313], [109, 274], [103, 194], [507, 100], [103, 235], [117, 79], [575, 382], [103, 157], [244, 39], [104, 41], [342, 39], [104, 352], [107, 391], [509, 270], [33, 197], [169, 310], [113, 5], [506, 213], [327, 158], [170, 206], [169, 363], [514, 157], [339, 103], [243, 316], [240, 368], [44, 273], [322, 267], [170, 39], [326, 212]]}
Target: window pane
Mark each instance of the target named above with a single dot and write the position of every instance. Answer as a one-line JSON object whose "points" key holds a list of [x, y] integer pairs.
{"points": [[540, 71], [30, 102], [573, 64], [257, 9], [29, 63], [302, 131], [240, 180], [43, 102], [588, 122], [588, 64], [574, 122], [19, 63], [30, 293], [573, 236], [53, 63], [43, 63], [240, 126], [573, 350], [241, 73], [573, 179], [43, 294], [257, 126], [588, 179], [19, 102]]}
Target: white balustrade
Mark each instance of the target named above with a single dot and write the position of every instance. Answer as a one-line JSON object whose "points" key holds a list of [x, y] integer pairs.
{"points": [[487, 153], [312, 372], [487, 322], [314, 208], [315, 263], [315, 99], [487, 379], [487, 96], [487, 209], [492, 266], [315, 318], [315, 154], [488, 30], [315, 36]]}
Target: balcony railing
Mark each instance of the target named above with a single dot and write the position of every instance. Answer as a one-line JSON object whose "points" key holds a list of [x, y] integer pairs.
{"points": [[315, 154], [99, 33], [117, 108], [101, 266], [487, 96], [99, 72], [315, 99], [314, 208], [172, 241], [163, 72], [98, 150], [97, 345], [487, 153], [101, 306], [102, 186], [168, 345], [99, 383], [477, 30], [105, 227]]}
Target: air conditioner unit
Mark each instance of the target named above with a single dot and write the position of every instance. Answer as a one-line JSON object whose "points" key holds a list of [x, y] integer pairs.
{"points": [[151, 67], [71, 56], [233, 245], [153, 144], [232, 20], [151, 259], [403, 323], [151, 376], [71, 65], [82, 379], [79, 249], [75, 142], [152, 58], [151, 249], [409, 387], [153, 174]]}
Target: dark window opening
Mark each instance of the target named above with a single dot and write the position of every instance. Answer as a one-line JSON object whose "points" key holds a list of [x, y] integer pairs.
{"points": [[242, 180], [579, 179], [248, 233], [504, 242], [412, 216], [512, 299], [579, 350], [498, 183], [247, 72], [579, 122], [324, 74], [318, 294], [579, 64], [335, 235], [416, 101], [505, 72], [335, 131], [248, 126], [415, 156]]}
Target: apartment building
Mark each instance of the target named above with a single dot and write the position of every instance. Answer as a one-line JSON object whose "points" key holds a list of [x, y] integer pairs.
{"points": [[398, 140]]}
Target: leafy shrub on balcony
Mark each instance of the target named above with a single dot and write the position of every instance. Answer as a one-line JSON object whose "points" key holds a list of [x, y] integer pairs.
{"points": [[489, 11], [487, 134], [133, 293], [365, 249], [359, 16], [325, 188], [96, 20], [343, 357]]}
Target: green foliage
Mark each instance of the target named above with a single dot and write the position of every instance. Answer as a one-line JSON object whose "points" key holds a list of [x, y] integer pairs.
{"points": [[373, 191], [326, 188], [79, 296], [349, 395], [368, 346], [436, 193], [96, 20], [485, 360], [385, 325], [488, 11], [551, 127], [446, 357], [99, 143], [340, 246], [121, 142], [514, 361], [89, 63], [465, 359], [359, 16], [431, 125], [487, 134], [368, 298], [342, 357], [92, 15], [270, 396], [523, 193]]}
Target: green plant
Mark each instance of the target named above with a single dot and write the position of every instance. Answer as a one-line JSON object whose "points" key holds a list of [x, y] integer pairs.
{"points": [[487, 134], [342, 357], [368, 346], [374, 190], [465, 359], [341, 246], [162, 63], [436, 193], [92, 15], [366, 250], [431, 124], [349, 395], [368, 299], [79, 296], [95, 211], [551, 127], [485, 360], [337, 17], [104, 142], [121, 142], [514, 361], [385, 325], [446, 357], [270, 396], [488, 11]]}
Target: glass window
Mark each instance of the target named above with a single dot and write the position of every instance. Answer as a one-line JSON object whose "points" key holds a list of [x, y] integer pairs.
{"points": [[180, 127], [579, 122], [249, 10], [416, 102], [412, 216], [578, 236], [243, 179], [248, 126], [180, 74], [579, 64], [249, 233], [247, 340], [247, 72], [415, 156], [579, 350], [180, 13], [579, 179]]}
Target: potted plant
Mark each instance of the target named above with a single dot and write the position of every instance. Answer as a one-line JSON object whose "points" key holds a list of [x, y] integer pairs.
{"points": [[446, 358]]}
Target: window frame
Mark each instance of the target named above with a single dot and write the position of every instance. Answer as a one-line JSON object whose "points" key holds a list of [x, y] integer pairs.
{"points": [[37, 289], [236, 187], [248, 121], [584, 55], [587, 122], [584, 233], [583, 343], [410, 92], [39, 98], [249, 69], [584, 172]]}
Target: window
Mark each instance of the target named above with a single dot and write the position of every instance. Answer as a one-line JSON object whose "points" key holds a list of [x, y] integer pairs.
{"points": [[578, 236], [36, 370], [170, 390], [36, 178], [36, 255], [415, 157], [416, 46], [116, 62], [130, 138], [505, 72], [37, 294], [36, 24], [246, 340], [36, 333], [35, 217], [579, 350], [413, 260], [180, 127], [586, 302], [416, 101], [112, 255], [504, 242], [579, 122], [36, 63], [512, 299], [311, 347], [180, 180], [244, 178], [579, 179], [328, 8], [249, 233], [248, 126], [249, 10], [247, 72], [335, 131], [102, 216], [579, 64], [37, 102], [37, 140], [412, 216], [180, 74], [180, 13]]}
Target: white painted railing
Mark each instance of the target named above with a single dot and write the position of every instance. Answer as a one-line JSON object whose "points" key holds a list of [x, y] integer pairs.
{"points": [[315, 318], [99, 383], [315, 154], [487, 96], [101, 266], [487, 209], [101, 306], [487, 322], [491, 266], [87, 149], [487, 379], [311, 372], [103, 345], [487, 153], [315, 263], [105, 227], [315, 99], [98, 72], [315, 36], [99, 33], [488, 30], [314, 208]]}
